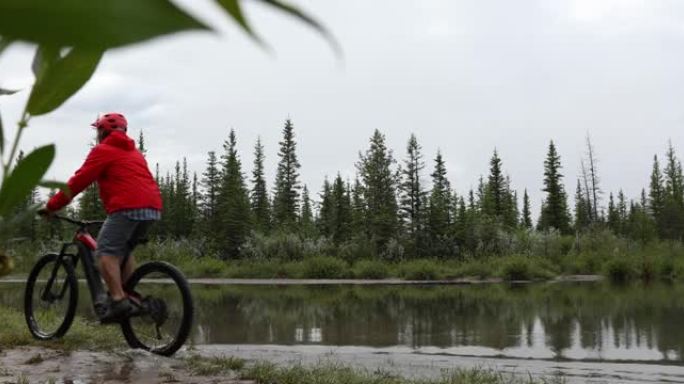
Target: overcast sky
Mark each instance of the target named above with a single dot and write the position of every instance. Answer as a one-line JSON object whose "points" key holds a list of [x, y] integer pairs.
{"points": [[465, 76]]}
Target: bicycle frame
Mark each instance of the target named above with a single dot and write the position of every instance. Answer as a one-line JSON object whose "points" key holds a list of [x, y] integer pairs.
{"points": [[85, 245]]}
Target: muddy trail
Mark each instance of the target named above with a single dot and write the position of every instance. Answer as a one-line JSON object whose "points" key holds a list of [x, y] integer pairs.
{"points": [[40, 365]]}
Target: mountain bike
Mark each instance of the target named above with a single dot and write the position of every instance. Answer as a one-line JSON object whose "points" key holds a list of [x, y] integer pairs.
{"points": [[160, 294]]}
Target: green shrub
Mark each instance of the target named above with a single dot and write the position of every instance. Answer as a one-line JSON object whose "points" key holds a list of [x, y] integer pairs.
{"points": [[358, 248], [370, 269], [280, 246], [475, 268], [324, 267], [256, 270], [393, 251], [620, 269], [589, 263], [648, 267], [667, 268], [516, 268], [422, 269], [520, 267], [206, 267]]}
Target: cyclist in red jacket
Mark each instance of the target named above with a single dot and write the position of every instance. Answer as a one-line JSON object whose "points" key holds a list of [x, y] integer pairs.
{"points": [[130, 196]]}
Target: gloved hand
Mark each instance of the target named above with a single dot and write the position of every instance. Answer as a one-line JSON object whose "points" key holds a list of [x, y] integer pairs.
{"points": [[45, 213]]}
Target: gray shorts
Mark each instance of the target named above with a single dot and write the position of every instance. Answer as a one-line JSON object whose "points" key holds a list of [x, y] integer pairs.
{"points": [[119, 235]]}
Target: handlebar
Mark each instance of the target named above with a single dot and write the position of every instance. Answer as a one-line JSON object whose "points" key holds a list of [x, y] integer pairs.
{"points": [[80, 223]]}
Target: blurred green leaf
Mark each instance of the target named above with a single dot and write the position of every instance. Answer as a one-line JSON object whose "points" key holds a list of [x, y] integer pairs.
{"points": [[44, 57], [4, 43], [310, 21], [2, 138], [24, 177], [4, 91], [97, 24], [52, 184], [233, 8], [59, 80]]}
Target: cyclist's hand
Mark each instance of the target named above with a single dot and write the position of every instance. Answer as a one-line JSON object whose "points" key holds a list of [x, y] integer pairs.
{"points": [[45, 213]]}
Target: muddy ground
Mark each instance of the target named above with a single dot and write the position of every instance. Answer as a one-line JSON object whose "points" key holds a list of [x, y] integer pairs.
{"points": [[40, 365]]}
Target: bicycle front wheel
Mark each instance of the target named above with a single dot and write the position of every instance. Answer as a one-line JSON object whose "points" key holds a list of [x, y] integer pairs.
{"points": [[50, 297], [163, 321]]}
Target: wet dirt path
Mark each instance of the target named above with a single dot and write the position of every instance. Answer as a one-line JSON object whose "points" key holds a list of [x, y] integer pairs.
{"points": [[40, 365], [409, 363]]}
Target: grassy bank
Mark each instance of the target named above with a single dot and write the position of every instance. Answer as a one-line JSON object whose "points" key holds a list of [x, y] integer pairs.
{"points": [[90, 336], [84, 334], [615, 258], [326, 372]]}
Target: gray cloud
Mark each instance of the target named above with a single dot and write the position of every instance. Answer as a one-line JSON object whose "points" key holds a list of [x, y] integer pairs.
{"points": [[465, 76]]}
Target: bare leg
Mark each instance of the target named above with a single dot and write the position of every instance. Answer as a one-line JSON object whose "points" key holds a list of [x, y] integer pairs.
{"points": [[128, 269], [111, 272]]}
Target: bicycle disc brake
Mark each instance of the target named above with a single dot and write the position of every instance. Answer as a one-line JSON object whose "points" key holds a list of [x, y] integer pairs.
{"points": [[157, 310]]}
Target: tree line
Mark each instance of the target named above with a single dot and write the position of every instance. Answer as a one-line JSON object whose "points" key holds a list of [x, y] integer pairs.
{"points": [[389, 208]]}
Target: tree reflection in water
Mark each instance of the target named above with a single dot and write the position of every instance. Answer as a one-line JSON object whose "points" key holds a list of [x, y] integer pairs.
{"points": [[569, 320]]}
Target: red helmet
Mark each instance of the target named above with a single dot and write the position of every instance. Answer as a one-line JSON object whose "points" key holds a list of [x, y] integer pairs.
{"points": [[110, 122]]}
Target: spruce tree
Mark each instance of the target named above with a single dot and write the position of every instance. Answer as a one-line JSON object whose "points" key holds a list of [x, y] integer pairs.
{"points": [[672, 217], [379, 191], [656, 192], [165, 227], [358, 210], [306, 219], [342, 216], [554, 213], [261, 207], [209, 207], [180, 203], [461, 219], [510, 213], [493, 193], [412, 194], [89, 204], [640, 225], [326, 214], [286, 193], [233, 202], [497, 200], [526, 220], [674, 185], [439, 218], [141, 144], [614, 222], [194, 205], [472, 204]]}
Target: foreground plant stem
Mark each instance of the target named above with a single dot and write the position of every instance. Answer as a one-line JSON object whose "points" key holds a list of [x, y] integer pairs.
{"points": [[23, 123]]}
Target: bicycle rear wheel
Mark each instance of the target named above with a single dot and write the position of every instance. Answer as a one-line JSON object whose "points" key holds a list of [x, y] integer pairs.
{"points": [[50, 298], [163, 322]]}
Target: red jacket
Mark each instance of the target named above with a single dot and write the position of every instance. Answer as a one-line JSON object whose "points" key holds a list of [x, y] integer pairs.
{"points": [[121, 173]]}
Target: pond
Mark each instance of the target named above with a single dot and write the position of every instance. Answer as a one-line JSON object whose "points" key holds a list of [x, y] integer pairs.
{"points": [[556, 321]]}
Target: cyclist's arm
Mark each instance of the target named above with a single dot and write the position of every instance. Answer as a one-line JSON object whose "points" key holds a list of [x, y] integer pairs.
{"points": [[94, 165]]}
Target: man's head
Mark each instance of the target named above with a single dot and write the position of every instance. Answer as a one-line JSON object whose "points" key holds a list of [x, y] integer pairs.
{"points": [[108, 123]]}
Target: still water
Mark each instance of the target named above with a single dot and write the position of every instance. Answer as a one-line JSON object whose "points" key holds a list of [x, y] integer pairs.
{"points": [[560, 321]]}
